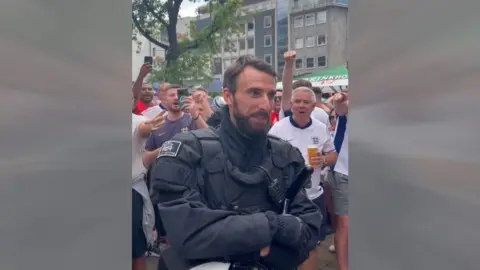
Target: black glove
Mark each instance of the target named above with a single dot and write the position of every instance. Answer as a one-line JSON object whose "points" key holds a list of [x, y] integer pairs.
{"points": [[286, 229], [281, 258]]}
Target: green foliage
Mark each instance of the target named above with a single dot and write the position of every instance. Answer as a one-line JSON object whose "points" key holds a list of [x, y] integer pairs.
{"points": [[189, 66], [214, 94], [189, 57]]}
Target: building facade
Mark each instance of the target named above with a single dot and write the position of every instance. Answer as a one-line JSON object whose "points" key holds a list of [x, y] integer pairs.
{"points": [[318, 32], [258, 38], [316, 29]]}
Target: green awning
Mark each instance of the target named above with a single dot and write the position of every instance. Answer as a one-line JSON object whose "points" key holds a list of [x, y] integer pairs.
{"points": [[328, 74], [329, 79]]}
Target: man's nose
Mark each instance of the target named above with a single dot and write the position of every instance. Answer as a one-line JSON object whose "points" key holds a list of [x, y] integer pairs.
{"points": [[266, 103]]}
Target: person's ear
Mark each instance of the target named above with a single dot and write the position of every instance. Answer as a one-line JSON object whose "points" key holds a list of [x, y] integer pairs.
{"points": [[227, 96]]}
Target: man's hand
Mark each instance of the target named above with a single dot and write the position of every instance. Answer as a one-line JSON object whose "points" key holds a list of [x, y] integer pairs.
{"points": [[145, 69], [200, 98], [318, 161], [340, 102], [265, 251], [190, 107], [289, 57], [288, 229], [158, 121]]}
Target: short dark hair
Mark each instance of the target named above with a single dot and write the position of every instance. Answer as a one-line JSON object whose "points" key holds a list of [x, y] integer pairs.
{"points": [[231, 74], [317, 90], [301, 83], [279, 90], [173, 86]]}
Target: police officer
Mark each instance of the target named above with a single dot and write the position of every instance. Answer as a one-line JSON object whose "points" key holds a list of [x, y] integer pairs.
{"points": [[213, 187]]}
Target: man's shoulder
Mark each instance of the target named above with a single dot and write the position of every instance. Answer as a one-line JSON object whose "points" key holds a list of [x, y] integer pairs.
{"points": [[187, 142], [178, 144], [283, 152], [282, 123], [317, 124], [319, 113], [278, 143], [137, 119]]}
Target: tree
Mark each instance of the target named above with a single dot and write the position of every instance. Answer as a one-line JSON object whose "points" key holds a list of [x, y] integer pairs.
{"points": [[190, 56]]}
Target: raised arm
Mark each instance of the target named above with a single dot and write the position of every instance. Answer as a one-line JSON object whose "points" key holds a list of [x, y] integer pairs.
{"points": [[287, 79], [137, 85]]}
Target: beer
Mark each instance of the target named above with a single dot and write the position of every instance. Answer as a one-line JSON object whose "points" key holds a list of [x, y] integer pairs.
{"points": [[312, 151]]}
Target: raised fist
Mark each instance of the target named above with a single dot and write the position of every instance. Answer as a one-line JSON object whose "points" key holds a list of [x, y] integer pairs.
{"points": [[289, 56]]}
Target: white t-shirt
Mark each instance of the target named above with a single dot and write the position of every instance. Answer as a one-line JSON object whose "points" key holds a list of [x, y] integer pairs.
{"points": [[138, 146], [317, 114], [316, 133], [342, 161], [138, 184]]}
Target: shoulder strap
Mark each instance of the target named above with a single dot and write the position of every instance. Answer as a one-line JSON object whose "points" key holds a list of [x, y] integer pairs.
{"points": [[210, 145]]}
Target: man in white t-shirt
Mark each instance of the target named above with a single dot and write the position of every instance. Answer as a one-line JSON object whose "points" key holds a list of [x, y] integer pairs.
{"points": [[289, 86], [338, 181], [302, 131], [143, 215]]}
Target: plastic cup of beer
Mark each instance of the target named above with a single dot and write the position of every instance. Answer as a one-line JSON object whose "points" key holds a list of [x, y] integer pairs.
{"points": [[312, 151]]}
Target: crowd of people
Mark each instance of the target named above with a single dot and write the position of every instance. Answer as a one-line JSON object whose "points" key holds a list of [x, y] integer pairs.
{"points": [[214, 181]]}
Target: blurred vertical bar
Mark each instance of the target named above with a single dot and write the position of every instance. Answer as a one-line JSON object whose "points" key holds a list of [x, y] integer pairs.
{"points": [[414, 155], [65, 87]]}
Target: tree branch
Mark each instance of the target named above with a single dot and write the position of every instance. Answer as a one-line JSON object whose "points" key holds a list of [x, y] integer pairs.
{"points": [[147, 35], [213, 29], [150, 9]]}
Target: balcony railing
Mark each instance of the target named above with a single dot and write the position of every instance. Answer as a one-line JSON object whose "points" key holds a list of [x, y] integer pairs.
{"points": [[340, 2], [308, 4]]}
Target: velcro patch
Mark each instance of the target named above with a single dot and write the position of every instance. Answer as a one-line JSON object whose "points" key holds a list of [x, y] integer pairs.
{"points": [[169, 149]]}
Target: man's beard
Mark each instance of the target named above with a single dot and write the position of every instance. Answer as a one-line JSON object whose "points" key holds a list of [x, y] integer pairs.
{"points": [[244, 126], [173, 108]]}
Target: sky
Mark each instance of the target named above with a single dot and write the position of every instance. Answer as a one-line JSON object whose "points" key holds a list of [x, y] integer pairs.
{"points": [[188, 9]]}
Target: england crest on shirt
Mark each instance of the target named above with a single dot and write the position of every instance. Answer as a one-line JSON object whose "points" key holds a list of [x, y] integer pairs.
{"points": [[315, 140]]}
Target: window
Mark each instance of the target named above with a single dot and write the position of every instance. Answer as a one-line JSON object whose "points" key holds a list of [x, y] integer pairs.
{"points": [[310, 41], [234, 46], [321, 40], [241, 43], [309, 19], [267, 58], [322, 61], [226, 63], [154, 51], [321, 17], [250, 43], [310, 62], [298, 43], [298, 22], [217, 66], [267, 41], [250, 26], [296, 4], [226, 47], [298, 63], [267, 21], [242, 28]]}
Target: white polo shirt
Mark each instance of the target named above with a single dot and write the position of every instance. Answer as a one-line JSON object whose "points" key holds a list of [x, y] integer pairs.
{"points": [[315, 133], [341, 145]]}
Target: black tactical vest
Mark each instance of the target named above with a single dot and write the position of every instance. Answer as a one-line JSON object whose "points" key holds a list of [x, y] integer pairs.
{"points": [[224, 186]]}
